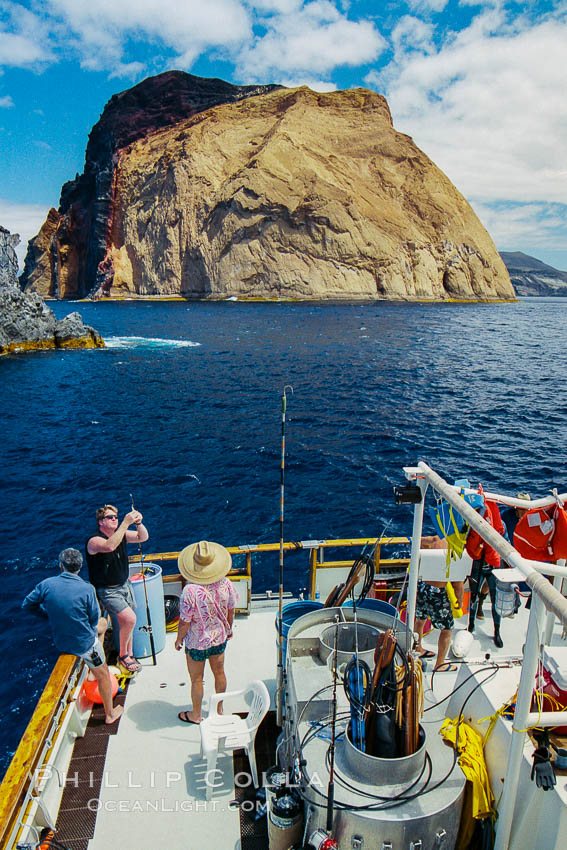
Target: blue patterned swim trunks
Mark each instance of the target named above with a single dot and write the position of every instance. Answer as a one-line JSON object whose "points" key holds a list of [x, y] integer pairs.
{"points": [[203, 654], [433, 603]]}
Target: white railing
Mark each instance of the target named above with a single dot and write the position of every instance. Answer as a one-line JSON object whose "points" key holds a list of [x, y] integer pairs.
{"points": [[545, 595]]}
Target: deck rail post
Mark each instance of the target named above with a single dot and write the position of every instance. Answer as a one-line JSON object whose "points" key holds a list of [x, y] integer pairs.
{"points": [[550, 619], [519, 725], [414, 556]]}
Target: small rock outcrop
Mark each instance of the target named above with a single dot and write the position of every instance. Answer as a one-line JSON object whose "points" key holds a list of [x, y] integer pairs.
{"points": [[26, 322], [531, 277], [260, 192]]}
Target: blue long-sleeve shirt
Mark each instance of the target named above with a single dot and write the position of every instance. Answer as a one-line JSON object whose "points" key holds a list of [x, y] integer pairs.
{"points": [[71, 606]]}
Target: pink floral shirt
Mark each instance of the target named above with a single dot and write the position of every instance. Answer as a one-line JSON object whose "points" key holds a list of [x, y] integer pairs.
{"points": [[205, 608]]}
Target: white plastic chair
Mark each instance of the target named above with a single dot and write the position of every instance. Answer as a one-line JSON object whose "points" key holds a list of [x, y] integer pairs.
{"points": [[230, 732]]}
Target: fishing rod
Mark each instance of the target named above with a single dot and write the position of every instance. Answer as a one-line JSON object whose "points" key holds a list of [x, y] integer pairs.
{"points": [[280, 677], [148, 628], [331, 786]]}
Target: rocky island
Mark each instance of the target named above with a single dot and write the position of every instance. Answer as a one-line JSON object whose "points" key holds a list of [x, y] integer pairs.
{"points": [[531, 277], [197, 188], [26, 322]]}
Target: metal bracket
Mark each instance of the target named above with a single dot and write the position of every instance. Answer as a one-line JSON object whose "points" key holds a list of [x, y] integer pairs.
{"points": [[356, 842], [440, 837], [416, 845]]}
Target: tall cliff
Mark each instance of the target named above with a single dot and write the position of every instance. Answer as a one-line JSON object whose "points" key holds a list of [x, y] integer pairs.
{"points": [[272, 193]]}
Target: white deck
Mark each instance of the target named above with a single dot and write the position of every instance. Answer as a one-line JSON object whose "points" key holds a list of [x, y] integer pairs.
{"points": [[540, 818], [153, 792]]}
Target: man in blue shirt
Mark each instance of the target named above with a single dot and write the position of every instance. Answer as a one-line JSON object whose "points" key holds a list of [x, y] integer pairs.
{"points": [[70, 605]]}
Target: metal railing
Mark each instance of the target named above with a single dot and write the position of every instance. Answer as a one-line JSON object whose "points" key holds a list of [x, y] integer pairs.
{"points": [[545, 596], [18, 790]]}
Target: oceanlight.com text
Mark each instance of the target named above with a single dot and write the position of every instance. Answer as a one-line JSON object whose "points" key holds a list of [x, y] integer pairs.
{"points": [[157, 805]]}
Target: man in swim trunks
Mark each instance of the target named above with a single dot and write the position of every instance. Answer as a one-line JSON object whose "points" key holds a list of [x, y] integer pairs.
{"points": [[433, 603], [107, 560], [69, 603]]}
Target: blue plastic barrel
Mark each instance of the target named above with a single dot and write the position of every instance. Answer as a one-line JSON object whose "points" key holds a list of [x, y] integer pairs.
{"points": [[154, 589], [290, 613], [374, 605], [141, 647]]}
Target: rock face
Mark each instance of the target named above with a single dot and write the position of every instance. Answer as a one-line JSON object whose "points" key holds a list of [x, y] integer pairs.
{"points": [[68, 258], [278, 193], [532, 277], [26, 322], [8, 259]]}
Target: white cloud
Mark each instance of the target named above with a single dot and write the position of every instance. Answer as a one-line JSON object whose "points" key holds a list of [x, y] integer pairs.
{"points": [[103, 28], [6, 102], [270, 38], [428, 5], [535, 226], [314, 85], [128, 69], [24, 37], [283, 7], [25, 219], [488, 106], [313, 40], [412, 34]]}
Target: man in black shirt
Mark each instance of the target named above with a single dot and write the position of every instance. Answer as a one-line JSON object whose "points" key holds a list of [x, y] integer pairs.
{"points": [[107, 560]]}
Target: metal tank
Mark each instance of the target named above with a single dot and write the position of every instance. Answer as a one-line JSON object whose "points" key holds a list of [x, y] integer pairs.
{"points": [[409, 803]]}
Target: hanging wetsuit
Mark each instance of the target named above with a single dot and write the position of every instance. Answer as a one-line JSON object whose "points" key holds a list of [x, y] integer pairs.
{"points": [[485, 560]]}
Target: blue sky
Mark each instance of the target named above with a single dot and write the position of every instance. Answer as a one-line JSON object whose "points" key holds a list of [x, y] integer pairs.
{"points": [[479, 86]]}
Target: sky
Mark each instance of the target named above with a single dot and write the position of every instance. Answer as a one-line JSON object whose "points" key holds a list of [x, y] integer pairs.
{"points": [[481, 87]]}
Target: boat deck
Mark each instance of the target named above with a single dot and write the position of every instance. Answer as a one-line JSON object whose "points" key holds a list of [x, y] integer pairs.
{"points": [[153, 788]]}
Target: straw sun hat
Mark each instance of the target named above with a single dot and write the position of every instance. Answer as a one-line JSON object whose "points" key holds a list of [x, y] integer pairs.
{"points": [[204, 563]]}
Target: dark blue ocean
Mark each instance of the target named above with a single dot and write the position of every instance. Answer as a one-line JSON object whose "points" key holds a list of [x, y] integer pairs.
{"points": [[183, 409]]}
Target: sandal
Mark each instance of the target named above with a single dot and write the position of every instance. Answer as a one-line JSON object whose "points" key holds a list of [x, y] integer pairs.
{"points": [[129, 663]]}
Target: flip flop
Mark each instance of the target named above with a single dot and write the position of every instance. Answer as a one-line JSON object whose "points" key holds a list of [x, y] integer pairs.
{"points": [[446, 668], [184, 719], [428, 654]]}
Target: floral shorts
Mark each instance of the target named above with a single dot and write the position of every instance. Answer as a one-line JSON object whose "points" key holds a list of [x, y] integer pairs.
{"points": [[433, 603], [203, 654]]}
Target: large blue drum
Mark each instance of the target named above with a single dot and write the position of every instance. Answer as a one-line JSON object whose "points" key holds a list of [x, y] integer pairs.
{"points": [[374, 605], [290, 613], [154, 590]]}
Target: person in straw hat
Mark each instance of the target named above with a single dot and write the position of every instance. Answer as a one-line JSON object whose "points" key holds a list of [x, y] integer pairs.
{"points": [[206, 613]]}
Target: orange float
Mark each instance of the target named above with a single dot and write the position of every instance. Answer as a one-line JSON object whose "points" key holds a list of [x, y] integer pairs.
{"points": [[91, 691]]}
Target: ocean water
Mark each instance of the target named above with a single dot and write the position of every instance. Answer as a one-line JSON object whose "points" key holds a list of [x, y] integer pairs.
{"points": [[183, 410]]}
